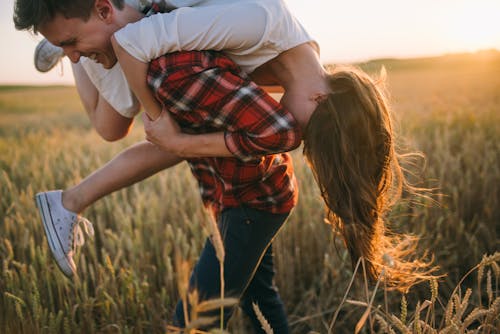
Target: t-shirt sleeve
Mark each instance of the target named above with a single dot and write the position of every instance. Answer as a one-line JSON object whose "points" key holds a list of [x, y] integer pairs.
{"points": [[218, 27], [112, 86]]}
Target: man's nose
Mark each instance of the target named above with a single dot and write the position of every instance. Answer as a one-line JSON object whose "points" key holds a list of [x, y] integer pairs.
{"points": [[72, 54]]}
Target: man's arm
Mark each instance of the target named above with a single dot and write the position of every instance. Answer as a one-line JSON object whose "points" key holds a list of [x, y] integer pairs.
{"points": [[166, 134], [105, 119], [276, 131]]}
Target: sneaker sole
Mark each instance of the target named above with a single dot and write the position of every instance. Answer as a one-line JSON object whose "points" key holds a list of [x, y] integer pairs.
{"points": [[37, 66], [55, 243]]}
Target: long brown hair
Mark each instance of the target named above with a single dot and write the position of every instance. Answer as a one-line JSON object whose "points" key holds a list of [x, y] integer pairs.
{"points": [[349, 144]]}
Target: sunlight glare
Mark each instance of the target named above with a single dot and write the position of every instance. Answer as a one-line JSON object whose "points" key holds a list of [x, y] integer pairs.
{"points": [[474, 24]]}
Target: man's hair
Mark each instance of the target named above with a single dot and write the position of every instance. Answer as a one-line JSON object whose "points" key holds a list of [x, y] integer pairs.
{"points": [[30, 14], [349, 144]]}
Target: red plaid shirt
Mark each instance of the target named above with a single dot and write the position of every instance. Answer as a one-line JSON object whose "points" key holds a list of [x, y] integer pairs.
{"points": [[206, 92]]}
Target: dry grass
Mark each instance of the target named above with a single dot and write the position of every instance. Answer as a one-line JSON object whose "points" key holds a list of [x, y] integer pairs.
{"points": [[448, 108]]}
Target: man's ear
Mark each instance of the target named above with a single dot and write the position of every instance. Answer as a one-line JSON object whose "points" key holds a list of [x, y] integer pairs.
{"points": [[104, 9]]}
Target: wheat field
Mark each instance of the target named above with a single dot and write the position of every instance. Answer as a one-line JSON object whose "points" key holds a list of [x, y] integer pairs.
{"points": [[448, 108]]}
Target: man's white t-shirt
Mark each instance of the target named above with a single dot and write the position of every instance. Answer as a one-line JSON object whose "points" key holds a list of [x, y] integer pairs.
{"points": [[250, 32]]}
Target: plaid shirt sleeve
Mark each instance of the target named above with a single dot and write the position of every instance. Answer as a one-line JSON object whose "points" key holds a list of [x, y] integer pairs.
{"points": [[255, 124], [261, 125], [209, 86]]}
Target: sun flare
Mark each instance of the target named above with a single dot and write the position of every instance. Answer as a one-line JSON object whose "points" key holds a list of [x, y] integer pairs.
{"points": [[475, 24]]}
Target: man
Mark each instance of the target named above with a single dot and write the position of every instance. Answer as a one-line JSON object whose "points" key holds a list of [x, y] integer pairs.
{"points": [[256, 34], [249, 193]]}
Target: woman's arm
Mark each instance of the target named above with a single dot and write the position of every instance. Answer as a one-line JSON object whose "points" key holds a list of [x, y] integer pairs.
{"points": [[136, 72], [254, 124], [160, 128]]}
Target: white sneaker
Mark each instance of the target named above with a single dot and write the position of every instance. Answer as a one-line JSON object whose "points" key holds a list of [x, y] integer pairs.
{"points": [[62, 229], [47, 55]]}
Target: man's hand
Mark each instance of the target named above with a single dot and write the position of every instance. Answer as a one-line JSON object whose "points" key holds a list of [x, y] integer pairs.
{"points": [[166, 134], [163, 132]]}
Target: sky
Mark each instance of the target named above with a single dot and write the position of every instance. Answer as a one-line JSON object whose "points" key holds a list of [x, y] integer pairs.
{"points": [[347, 31]]}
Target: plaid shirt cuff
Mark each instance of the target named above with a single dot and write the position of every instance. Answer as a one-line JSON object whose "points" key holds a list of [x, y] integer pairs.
{"points": [[247, 147]]}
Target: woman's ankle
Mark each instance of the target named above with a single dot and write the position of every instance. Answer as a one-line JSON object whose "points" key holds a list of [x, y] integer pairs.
{"points": [[70, 201]]}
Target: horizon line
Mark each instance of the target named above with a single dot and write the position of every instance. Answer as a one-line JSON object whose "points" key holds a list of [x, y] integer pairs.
{"points": [[13, 85]]}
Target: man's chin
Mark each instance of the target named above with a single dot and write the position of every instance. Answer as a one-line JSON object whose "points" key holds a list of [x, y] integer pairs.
{"points": [[109, 64]]}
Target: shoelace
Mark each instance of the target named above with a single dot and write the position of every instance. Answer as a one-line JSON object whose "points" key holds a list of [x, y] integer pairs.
{"points": [[78, 237]]}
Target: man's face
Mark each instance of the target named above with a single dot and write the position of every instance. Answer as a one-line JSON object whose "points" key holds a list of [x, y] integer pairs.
{"points": [[83, 38]]}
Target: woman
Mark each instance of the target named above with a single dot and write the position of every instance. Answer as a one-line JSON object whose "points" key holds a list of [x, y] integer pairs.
{"points": [[344, 115]]}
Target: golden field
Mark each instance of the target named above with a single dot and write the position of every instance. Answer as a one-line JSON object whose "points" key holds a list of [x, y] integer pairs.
{"points": [[447, 107]]}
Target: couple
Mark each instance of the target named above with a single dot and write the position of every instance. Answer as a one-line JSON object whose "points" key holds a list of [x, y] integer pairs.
{"points": [[204, 107]]}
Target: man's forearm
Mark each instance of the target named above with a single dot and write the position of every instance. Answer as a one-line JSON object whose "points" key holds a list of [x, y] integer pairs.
{"points": [[166, 133], [87, 91], [202, 145]]}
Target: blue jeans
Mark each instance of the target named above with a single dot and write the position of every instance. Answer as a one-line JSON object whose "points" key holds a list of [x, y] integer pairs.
{"points": [[248, 268]]}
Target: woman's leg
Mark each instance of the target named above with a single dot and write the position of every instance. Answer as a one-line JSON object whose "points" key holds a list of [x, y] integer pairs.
{"points": [[130, 166], [59, 210]]}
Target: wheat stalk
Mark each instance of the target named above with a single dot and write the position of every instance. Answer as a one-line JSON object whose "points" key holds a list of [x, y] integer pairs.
{"points": [[263, 321], [212, 304], [367, 312], [334, 319], [427, 328], [220, 253], [461, 306], [474, 315], [493, 311], [399, 325], [182, 269], [489, 289], [383, 324], [404, 309]]}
